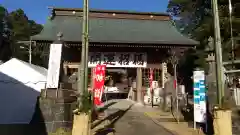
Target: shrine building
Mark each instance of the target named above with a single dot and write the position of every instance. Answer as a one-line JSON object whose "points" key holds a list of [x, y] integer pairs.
{"points": [[130, 43]]}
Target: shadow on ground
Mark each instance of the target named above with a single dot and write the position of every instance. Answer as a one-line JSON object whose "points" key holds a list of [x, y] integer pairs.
{"points": [[106, 107], [188, 116], [96, 112], [112, 119]]}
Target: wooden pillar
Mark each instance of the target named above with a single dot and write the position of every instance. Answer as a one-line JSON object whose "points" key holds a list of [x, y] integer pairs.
{"points": [[162, 75], [139, 85], [92, 78], [65, 69]]}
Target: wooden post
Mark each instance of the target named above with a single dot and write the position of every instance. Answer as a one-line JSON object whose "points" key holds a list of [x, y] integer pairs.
{"points": [[92, 78], [65, 69], [80, 124], [139, 85], [92, 88], [222, 122], [163, 75]]}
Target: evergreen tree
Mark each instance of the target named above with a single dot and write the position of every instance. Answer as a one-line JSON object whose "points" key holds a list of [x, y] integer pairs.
{"points": [[5, 35], [14, 27], [195, 19], [23, 29]]}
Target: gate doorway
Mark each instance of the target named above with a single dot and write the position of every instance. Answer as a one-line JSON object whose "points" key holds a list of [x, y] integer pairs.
{"points": [[119, 81]]}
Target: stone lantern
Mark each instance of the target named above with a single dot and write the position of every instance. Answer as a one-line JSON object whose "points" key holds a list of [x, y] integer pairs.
{"points": [[211, 76]]}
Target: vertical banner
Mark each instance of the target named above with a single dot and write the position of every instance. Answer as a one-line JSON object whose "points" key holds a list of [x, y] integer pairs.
{"points": [[164, 73], [99, 78], [200, 108], [175, 84], [151, 79], [54, 65]]}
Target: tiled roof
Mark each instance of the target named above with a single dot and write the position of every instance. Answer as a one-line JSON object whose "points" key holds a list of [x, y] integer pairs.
{"points": [[109, 30]]}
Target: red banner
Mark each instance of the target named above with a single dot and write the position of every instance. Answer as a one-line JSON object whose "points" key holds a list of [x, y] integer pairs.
{"points": [[175, 84], [99, 78]]}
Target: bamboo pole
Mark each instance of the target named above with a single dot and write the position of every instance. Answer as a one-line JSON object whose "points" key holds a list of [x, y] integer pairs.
{"points": [[222, 117], [218, 53]]}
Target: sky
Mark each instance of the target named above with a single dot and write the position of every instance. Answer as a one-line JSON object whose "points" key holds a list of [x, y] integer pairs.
{"points": [[37, 9]]}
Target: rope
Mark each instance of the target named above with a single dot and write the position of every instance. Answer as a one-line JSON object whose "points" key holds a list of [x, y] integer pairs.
{"points": [[17, 82]]}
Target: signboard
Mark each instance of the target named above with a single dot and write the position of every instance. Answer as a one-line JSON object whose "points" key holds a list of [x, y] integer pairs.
{"points": [[54, 65], [199, 96], [117, 59], [99, 78]]}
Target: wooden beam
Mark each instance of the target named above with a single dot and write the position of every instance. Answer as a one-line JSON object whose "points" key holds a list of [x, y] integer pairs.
{"points": [[232, 71], [231, 62]]}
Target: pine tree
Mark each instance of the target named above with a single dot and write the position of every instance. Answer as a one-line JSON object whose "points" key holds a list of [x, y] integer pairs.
{"points": [[5, 35]]}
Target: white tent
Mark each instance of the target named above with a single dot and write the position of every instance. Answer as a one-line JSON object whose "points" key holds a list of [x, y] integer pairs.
{"points": [[20, 85]]}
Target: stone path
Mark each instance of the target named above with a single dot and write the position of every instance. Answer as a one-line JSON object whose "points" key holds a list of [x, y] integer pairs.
{"points": [[136, 123], [124, 118], [115, 110], [127, 118], [236, 125], [166, 120]]}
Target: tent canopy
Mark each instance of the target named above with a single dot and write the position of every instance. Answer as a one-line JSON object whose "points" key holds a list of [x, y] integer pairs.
{"points": [[20, 85]]}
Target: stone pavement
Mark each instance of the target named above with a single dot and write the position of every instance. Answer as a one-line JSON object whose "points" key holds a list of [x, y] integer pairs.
{"points": [[127, 118], [114, 110], [166, 120], [236, 121], [136, 123]]}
